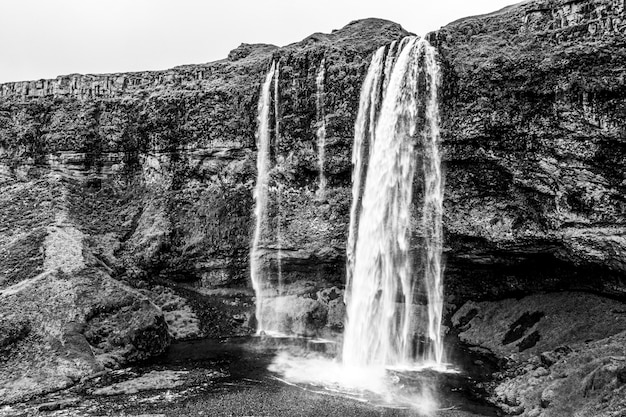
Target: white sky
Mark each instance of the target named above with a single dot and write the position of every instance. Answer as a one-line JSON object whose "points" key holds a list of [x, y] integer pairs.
{"points": [[46, 38]]}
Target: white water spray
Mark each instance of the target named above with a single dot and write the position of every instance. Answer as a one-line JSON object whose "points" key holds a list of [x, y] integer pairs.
{"points": [[321, 129], [261, 193], [397, 123], [380, 287], [432, 210], [279, 220]]}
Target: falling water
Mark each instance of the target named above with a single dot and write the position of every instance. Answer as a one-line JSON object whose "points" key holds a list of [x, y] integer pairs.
{"points": [[432, 210], [369, 105], [380, 289], [321, 129], [261, 192], [279, 220]]}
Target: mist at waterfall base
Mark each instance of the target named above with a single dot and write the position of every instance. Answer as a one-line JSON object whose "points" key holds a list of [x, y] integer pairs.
{"points": [[382, 361]]}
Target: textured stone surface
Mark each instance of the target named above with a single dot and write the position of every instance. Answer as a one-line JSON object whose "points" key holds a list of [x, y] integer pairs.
{"points": [[564, 352], [533, 121], [150, 381], [586, 381], [535, 144], [62, 316], [57, 328], [519, 329]]}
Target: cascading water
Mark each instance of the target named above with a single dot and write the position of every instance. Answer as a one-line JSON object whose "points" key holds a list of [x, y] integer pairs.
{"points": [[321, 129], [432, 210], [380, 288], [396, 132], [261, 194], [279, 220]]}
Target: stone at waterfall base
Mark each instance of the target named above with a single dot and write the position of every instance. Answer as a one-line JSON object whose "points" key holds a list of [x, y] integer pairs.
{"points": [[56, 329], [305, 310], [565, 353], [149, 381]]}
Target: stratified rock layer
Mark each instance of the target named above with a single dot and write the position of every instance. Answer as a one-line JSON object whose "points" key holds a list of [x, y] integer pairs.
{"points": [[534, 110]]}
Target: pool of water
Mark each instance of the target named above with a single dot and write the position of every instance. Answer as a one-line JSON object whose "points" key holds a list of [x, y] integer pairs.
{"points": [[269, 377], [307, 365]]}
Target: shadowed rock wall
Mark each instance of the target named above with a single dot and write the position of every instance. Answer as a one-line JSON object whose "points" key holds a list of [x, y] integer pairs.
{"points": [[534, 132]]}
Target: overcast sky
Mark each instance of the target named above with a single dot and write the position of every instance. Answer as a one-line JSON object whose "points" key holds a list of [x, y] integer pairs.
{"points": [[46, 38]]}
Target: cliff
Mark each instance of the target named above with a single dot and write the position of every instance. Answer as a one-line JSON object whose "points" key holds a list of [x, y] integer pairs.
{"points": [[534, 140], [188, 136]]}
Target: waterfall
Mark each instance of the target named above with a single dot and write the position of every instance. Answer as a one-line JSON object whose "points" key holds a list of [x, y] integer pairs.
{"points": [[279, 220], [261, 193], [363, 136], [432, 210], [321, 129], [380, 326]]}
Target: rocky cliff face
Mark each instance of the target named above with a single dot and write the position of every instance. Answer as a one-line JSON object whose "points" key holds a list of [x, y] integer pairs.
{"points": [[533, 113], [186, 137], [535, 147]]}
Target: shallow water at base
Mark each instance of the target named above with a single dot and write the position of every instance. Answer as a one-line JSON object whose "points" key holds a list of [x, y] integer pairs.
{"points": [[307, 364], [234, 377], [378, 386]]}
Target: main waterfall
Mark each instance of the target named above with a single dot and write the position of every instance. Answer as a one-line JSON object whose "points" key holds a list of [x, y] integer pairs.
{"points": [[394, 242], [398, 120]]}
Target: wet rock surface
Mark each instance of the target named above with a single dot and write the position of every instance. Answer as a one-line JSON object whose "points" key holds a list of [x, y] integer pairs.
{"points": [[561, 353]]}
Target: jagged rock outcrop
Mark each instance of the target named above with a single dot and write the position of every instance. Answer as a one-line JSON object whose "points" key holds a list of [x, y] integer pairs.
{"points": [[62, 316], [559, 362]]}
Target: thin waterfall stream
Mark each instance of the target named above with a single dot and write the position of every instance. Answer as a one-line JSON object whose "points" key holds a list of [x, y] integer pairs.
{"points": [[261, 193], [321, 128], [432, 210], [279, 220]]}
